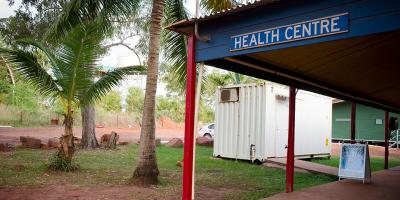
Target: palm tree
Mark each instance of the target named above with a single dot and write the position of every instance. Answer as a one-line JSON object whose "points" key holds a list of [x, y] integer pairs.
{"points": [[105, 13], [146, 171], [70, 75], [175, 49], [174, 44]]}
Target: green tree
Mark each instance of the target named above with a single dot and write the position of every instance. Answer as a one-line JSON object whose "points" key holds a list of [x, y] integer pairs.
{"points": [[217, 79], [134, 100], [72, 69], [173, 108], [108, 14], [146, 171], [112, 101], [31, 19], [24, 97]]}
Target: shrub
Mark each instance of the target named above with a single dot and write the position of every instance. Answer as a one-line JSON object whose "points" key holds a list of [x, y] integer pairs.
{"points": [[57, 163]]}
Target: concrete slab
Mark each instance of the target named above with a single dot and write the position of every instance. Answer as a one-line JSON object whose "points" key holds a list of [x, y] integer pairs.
{"points": [[309, 166], [385, 185]]}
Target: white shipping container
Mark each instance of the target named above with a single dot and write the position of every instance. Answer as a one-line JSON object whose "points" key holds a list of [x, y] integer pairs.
{"points": [[252, 122]]}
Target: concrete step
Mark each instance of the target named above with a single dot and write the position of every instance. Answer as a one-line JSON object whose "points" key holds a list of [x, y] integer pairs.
{"points": [[306, 165]]}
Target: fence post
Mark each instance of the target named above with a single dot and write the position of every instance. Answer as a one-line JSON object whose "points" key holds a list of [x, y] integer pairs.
{"points": [[397, 139]]}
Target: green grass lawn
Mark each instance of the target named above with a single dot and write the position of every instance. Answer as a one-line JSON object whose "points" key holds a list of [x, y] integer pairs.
{"points": [[377, 163], [25, 167]]}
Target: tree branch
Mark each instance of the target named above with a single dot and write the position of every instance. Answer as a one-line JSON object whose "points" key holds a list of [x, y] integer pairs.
{"points": [[121, 43]]}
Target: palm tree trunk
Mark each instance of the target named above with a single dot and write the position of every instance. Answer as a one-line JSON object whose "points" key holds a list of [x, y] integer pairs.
{"points": [[146, 172], [89, 140], [67, 147]]}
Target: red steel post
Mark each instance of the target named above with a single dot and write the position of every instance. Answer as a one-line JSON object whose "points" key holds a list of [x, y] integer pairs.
{"points": [[290, 146], [189, 121], [353, 123], [386, 139]]}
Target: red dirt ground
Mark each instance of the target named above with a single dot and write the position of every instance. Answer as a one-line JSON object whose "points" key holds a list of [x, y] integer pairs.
{"points": [[12, 135], [123, 192], [374, 151], [69, 191]]}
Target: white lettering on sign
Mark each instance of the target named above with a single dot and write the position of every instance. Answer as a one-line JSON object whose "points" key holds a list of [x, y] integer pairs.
{"points": [[299, 31]]}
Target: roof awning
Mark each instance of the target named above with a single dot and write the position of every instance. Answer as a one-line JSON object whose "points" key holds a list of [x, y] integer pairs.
{"points": [[359, 63]]}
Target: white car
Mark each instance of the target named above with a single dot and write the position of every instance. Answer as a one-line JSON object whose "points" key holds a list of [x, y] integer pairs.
{"points": [[207, 131]]}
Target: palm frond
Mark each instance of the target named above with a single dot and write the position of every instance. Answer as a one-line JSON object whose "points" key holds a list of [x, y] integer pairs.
{"points": [[28, 65], [212, 6], [105, 12], [78, 52], [174, 44], [107, 82], [48, 52]]}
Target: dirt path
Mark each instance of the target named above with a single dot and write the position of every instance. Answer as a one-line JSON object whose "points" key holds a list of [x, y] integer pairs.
{"points": [[12, 135], [122, 192]]}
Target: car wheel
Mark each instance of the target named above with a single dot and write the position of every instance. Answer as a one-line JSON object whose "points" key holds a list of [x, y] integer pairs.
{"points": [[207, 135]]}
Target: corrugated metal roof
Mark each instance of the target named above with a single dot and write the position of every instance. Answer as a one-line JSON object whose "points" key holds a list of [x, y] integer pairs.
{"points": [[182, 26], [241, 7]]}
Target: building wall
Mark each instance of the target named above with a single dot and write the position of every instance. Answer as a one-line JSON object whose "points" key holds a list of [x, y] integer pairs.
{"points": [[368, 126]]}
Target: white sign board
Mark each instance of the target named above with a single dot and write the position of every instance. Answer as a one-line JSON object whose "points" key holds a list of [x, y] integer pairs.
{"points": [[354, 162]]}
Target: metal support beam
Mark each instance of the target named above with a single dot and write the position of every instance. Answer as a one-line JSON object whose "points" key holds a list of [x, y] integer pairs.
{"points": [[386, 139], [290, 146], [189, 121], [353, 123]]}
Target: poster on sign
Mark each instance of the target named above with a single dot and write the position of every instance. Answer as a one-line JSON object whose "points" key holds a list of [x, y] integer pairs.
{"points": [[354, 162]]}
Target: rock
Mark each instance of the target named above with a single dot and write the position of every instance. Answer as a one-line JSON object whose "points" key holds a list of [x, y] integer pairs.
{"points": [[179, 163], [53, 142], [205, 141], [175, 142], [30, 142], [77, 142], [44, 146], [113, 140], [54, 121], [105, 138], [4, 147], [123, 143]]}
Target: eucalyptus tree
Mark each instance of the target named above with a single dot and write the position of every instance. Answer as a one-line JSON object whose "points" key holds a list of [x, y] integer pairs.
{"points": [[72, 66], [3, 61]]}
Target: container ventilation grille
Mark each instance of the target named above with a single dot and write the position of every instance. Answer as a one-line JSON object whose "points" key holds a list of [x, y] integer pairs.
{"points": [[229, 95]]}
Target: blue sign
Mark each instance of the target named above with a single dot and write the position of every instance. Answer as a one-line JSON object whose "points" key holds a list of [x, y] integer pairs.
{"points": [[324, 26]]}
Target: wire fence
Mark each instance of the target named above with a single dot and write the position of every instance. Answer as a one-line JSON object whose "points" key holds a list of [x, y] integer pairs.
{"points": [[16, 117]]}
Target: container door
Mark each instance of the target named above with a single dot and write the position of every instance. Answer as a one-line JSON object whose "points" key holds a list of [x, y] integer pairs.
{"points": [[245, 123], [282, 117]]}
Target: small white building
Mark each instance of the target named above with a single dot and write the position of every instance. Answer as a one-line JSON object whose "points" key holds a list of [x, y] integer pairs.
{"points": [[252, 122]]}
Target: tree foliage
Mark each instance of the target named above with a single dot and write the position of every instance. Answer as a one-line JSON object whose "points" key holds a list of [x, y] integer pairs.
{"points": [[112, 101], [70, 77], [134, 100], [32, 19]]}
